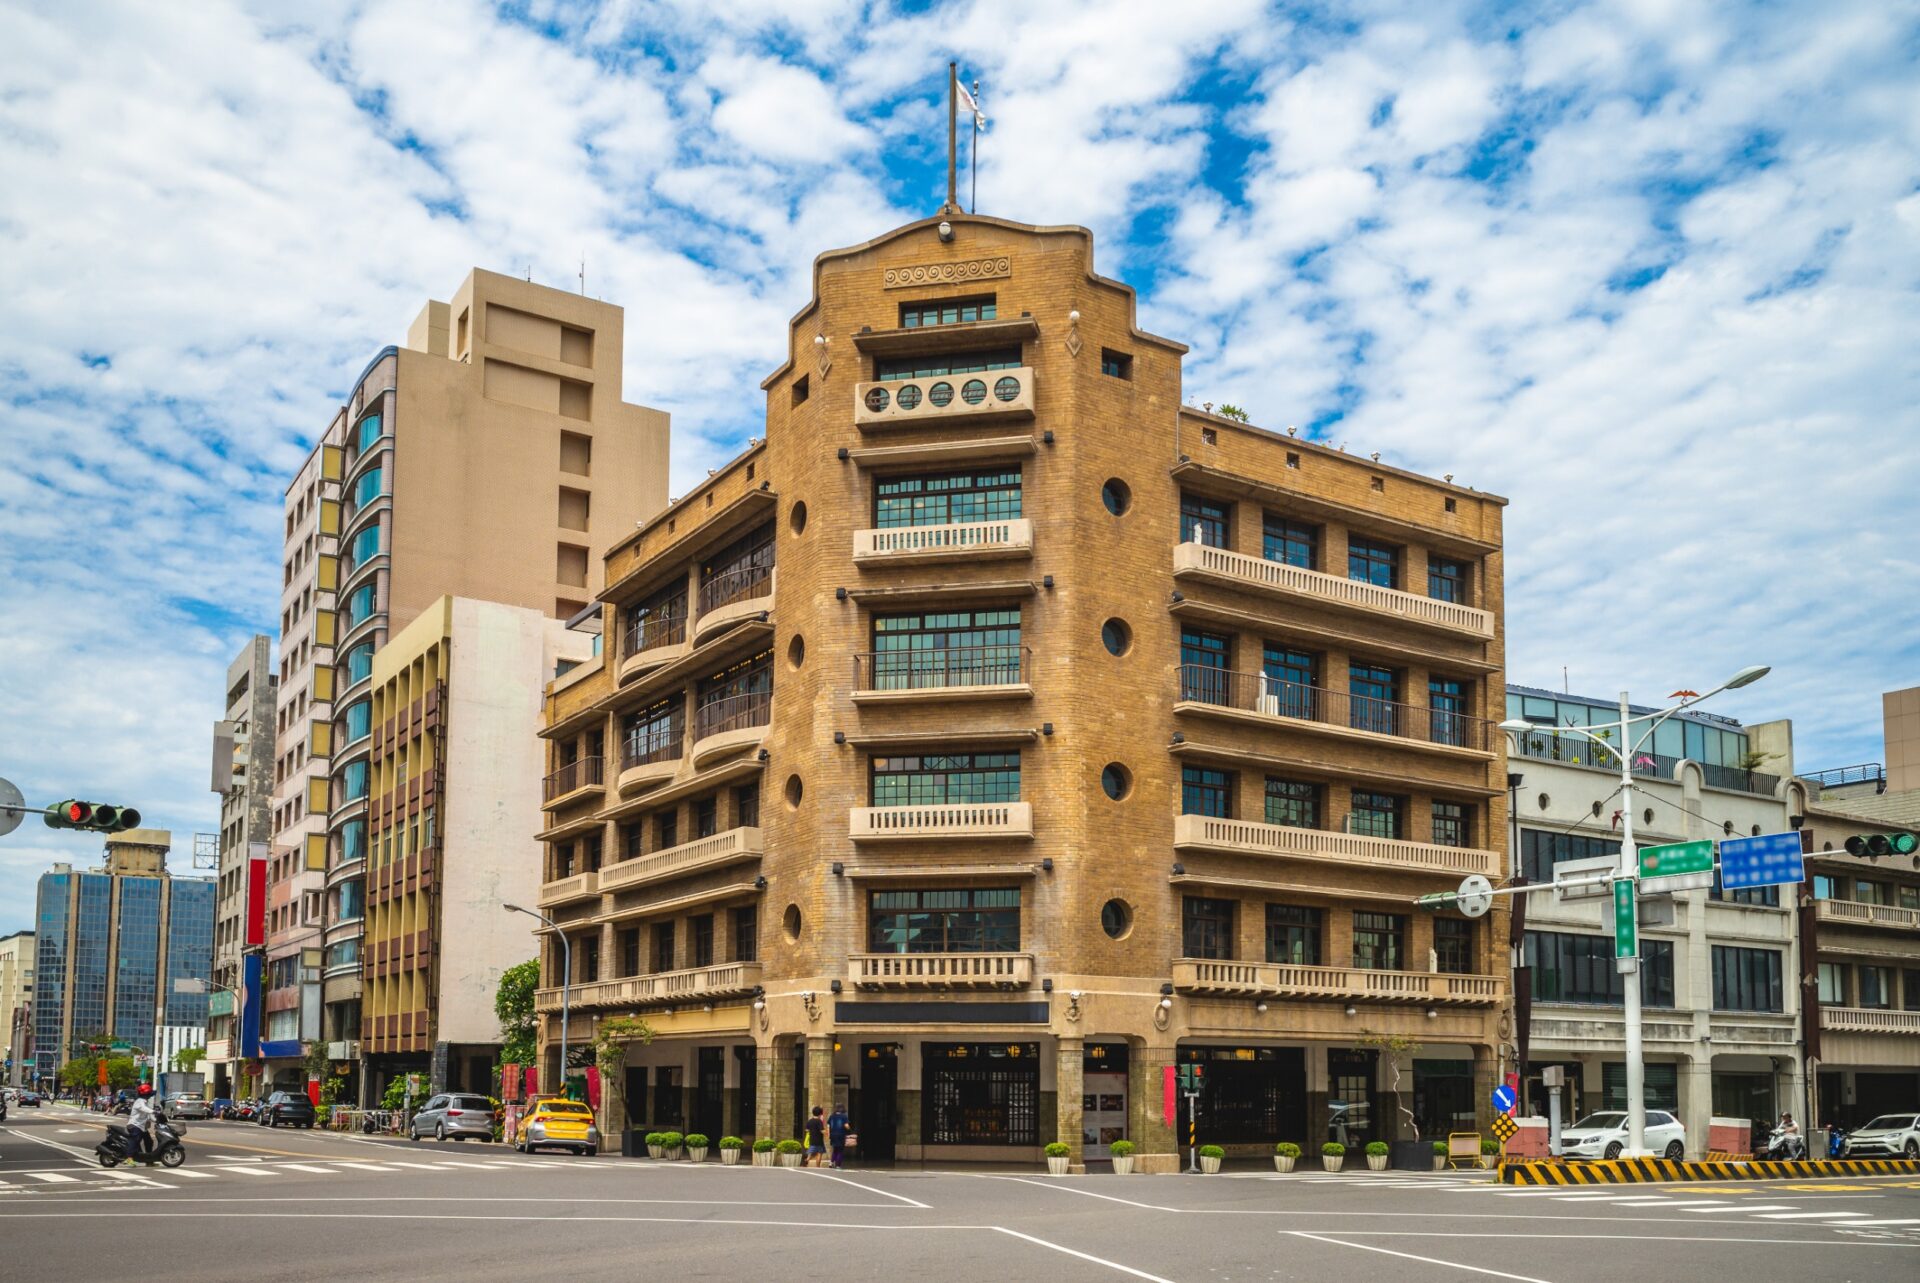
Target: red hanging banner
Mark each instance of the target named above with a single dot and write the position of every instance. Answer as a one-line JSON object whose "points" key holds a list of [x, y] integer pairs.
{"points": [[1169, 1108]]}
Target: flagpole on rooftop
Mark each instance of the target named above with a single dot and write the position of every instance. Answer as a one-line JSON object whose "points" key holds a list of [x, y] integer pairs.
{"points": [[973, 152], [953, 133]]}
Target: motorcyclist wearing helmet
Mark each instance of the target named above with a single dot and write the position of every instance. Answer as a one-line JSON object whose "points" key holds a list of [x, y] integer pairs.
{"points": [[140, 1121]]}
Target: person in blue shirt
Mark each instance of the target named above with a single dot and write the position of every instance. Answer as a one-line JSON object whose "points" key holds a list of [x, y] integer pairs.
{"points": [[837, 1128]]}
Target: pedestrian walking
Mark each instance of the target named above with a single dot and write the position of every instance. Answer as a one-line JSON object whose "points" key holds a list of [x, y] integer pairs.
{"points": [[837, 1127], [816, 1138]]}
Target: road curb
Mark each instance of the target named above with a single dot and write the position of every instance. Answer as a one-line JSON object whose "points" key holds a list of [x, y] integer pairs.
{"points": [[1628, 1171]]}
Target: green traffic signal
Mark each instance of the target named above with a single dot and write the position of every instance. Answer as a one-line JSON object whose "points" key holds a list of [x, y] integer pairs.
{"points": [[1875, 845]]}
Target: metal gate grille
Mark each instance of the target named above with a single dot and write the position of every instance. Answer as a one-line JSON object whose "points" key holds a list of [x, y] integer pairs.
{"points": [[987, 1105]]}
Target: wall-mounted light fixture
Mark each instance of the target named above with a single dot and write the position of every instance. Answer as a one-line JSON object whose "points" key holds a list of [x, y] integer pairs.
{"points": [[946, 230], [839, 869]]}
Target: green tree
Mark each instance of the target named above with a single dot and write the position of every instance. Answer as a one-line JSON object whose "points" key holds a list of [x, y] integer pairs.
{"points": [[81, 1073], [188, 1058], [610, 1041], [1231, 412], [513, 1004], [122, 1073]]}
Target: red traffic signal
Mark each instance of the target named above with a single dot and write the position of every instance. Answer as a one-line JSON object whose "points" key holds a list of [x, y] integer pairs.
{"points": [[94, 817]]}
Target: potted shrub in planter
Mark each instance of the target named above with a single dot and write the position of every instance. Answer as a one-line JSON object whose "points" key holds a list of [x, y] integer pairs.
{"points": [[763, 1152], [671, 1144], [653, 1145], [1489, 1152], [791, 1152], [730, 1147], [1285, 1155], [1377, 1155], [1122, 1151], [697, 1147], [1439, 1156], [1332, 1155], [1057, 1151], [1210, 1156]]}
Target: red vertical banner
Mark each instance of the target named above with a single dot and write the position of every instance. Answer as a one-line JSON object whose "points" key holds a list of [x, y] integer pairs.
{"points": [[256, 910], [532, 1083], [593, 1087], [313, 1092], [510, 1082], [1169, 1108]]}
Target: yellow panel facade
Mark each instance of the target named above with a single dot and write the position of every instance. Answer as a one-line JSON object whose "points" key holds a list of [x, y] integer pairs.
{"points": [[320, 739], [317, 800], [316, 850], [330, 517], [325, 627], [332, 460], [326, 573], [323, 682]]}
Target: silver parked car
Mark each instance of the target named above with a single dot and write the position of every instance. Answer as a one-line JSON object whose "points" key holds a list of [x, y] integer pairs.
{"points": [[453, 1116], [187, 1104], [1894, 1135]]}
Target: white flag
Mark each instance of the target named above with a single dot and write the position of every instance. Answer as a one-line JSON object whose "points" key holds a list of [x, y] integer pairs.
{"points": [[967, 101]]}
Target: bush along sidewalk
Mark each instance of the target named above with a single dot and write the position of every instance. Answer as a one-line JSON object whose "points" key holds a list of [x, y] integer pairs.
{"points": [[1122, 1151], [730, 1147], [791, 1152], [1057, 1152], [1210, 1156], [697, 1147], [1332, 1155], [1285, 1155], [1377, 1155], [653, 1144], [763, 1150], [1439, 1156], [670, 1144]]}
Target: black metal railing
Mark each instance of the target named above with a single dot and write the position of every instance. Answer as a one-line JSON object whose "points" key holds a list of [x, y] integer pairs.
{"points": [[577, 774], [1259, 693], [652, 746], [733, 713], [735, 585], [650, 631], [1008, 664]]}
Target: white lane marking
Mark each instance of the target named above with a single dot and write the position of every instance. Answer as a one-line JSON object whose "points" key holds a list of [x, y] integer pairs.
{"points": [[1086, 1193], [84, 1155], [53, 1178], [1097, 1260], [866, 1189], [1854, 1225], [1823, 1244], [251, 1171], [302, 1167], [1740, 1207], [355, 1165], [1643, 1202], [198, 1176], [1814, 1216], [424, 1167], [1428, 1260]]}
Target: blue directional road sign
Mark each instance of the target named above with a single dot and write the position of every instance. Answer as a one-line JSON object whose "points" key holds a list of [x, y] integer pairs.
{"points": [[1503, 1099], [1772, 859]]}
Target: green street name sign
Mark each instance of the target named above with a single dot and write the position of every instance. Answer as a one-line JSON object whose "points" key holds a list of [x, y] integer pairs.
{"points": [[1626, 924], [1676, 859]]}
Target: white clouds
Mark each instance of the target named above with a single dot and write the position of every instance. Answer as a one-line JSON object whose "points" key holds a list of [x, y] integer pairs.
{"points": [[778, 111]]}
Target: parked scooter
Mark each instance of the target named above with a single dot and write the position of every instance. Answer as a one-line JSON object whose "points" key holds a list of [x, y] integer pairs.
{"points": [[166, 1149], [1786, 1145], [1838, 1140]]}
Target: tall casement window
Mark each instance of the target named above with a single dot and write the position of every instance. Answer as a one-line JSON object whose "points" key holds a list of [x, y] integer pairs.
{"points": [[700, 940], [1206, 791], [1833, 984], [1206, 928], [1203, 666], [365, 433], [666, 829], [1574, 968], [1447, 697], [935, 779], [892, 368], [629, 951], [364, 548], [1452, 824], [946, 498], [1746, 979], [746, 934], [1372, 698], [361, 606], [660, 620], [663, 959], [1289, 678], [653, 734], [1293, 542], [706, 817], [1372, 562], [1205, 521], [735, 698], [1376, 815], [1453, 946], [743, 569], [952, 311], [359, 663], [746, 806], [1447, 580], [951, 648], [358, 722], [1380, 941], [367, 488], [353, 781], [1294, 803], [1293, 935], [590, 958], [967, 920]]}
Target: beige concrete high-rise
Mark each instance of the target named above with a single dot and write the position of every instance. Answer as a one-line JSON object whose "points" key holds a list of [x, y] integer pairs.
{"points": [[243, 779], [491, 457], [16, 997]]}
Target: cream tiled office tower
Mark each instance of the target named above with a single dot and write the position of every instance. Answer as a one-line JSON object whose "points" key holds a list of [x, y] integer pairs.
{"points": [[999, 732], [243, 778], [491, 457]]}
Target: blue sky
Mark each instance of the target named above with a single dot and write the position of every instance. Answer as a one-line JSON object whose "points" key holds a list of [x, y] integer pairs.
{"points": [[1647, 268]]}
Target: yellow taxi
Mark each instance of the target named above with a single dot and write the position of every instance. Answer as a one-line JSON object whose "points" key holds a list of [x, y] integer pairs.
{"points": [[556, 1123]]}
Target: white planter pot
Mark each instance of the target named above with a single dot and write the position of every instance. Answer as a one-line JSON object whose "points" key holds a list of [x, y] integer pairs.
{"points": [[673, 1155], [654, 1151], [1282, 1163], [763, 1158], [791, 1160], [1439, 1162], [728, 1157], [1332, 1162], [1209, 1165], [697, 1155], [1057, 1166], [1123, 1164], [1376, 1162], [1489, 1161]]}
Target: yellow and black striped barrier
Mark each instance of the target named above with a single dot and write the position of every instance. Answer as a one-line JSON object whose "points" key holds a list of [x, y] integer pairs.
{"points": [[1628, 1171]]}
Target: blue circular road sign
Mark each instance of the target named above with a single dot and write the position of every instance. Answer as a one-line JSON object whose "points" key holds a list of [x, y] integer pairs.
{"points": [[1503, 1099]]}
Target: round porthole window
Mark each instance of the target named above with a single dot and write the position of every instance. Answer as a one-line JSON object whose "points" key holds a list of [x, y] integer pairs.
{"points": [[973, 391], [877, 399], [796, 653], [941, 394], [1007, 388], [794, 791], [1116, 636], [790, 923], [1116, 918], [1116, 496], [797, 518], [1116, 781]]}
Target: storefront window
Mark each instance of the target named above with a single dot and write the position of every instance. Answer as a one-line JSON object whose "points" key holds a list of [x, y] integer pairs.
{"points": [[1662, 1086], [981, 1093], [1249, 1094]]}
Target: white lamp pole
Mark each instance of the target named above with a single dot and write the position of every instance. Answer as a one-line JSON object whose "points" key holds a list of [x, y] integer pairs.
{"points": [[566, 980], [1629, 869]]}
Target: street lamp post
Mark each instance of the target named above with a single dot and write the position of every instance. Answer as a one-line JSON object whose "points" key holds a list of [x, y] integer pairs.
{"points": [[1629, 869], [566, 979]]}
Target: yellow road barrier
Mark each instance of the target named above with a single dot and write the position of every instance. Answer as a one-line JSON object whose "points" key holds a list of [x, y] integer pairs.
{"points": [[1629, 1171]]}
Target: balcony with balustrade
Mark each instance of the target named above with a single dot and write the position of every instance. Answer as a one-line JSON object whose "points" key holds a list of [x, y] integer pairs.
{"points": [[571, 780], [1352, 850], [945, 400], [691, 984], [1853, 913], [727, 599], [971, 541], [939, 971], [1199, 563], [730, 724], [650, 641], [1351, 984], [568, 890], [702, 855], [947, 674], [954, 821], [1260, 698], [1870, 1020], [650, 758]]}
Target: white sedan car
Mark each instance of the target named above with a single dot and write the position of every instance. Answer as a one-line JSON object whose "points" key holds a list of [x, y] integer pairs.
{"points": [[1605, 1136], [1895, 1135]]}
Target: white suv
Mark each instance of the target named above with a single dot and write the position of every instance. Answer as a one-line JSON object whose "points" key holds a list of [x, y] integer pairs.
{"points": [[1890, 1134], [1605, 1136]]}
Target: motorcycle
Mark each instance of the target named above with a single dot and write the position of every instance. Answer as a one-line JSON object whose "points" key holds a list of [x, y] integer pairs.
{"points": [[166, 1149], [1784, 1145], [1837, 1141]]}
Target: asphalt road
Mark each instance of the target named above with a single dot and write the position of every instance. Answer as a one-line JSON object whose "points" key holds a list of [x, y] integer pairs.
{"points": [[251, 1202]]}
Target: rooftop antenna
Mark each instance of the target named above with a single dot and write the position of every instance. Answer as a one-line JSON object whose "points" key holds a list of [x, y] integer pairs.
{"points": [[583, 275]]}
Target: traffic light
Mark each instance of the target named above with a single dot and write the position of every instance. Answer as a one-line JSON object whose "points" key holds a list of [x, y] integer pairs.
{"points": [[1189, 1078], [1876, 845], [93, 817]]}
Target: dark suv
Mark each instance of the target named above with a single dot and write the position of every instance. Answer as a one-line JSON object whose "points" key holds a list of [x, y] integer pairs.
{"points": [[287, 1109]]}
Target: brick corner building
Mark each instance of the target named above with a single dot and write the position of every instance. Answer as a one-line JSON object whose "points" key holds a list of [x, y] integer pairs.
{"points": [[1000, 732]]}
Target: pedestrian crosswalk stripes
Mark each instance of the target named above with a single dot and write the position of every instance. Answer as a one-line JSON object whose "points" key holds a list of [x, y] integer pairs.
{"points": [[219, 1166]]}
